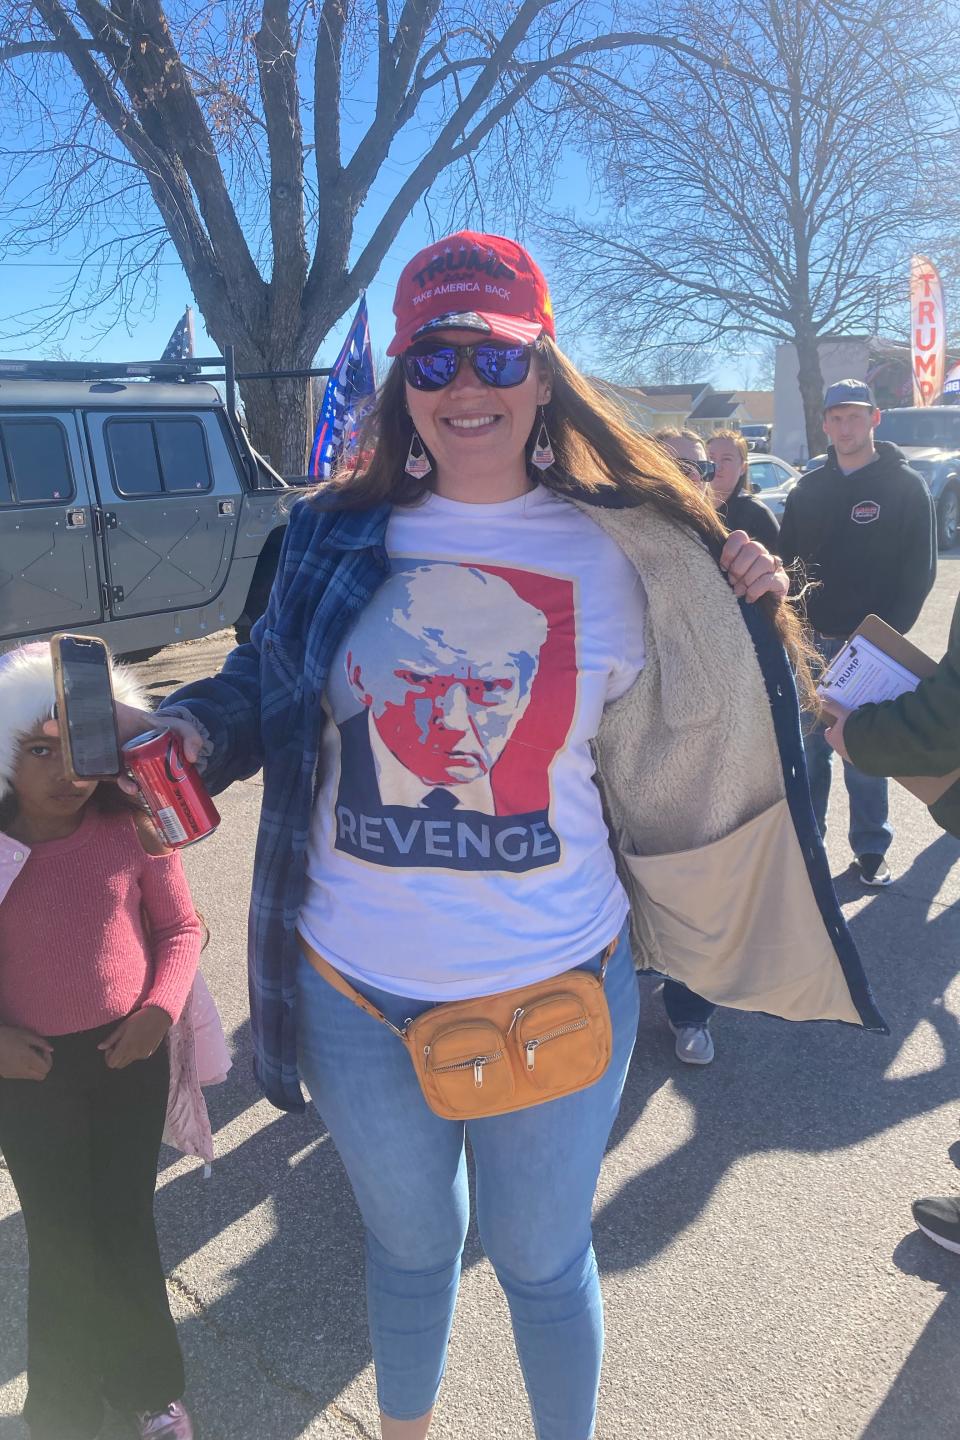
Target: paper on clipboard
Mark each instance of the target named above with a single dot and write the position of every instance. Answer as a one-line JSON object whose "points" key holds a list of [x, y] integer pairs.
{"points": [[885, 660], [863, 674]]}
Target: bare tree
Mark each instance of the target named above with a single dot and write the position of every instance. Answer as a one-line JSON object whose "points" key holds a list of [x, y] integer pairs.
{"points": [[673, 364], [776, 199], [759, 366], [220, 128]]}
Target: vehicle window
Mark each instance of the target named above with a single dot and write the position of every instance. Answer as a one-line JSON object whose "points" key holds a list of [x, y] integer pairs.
{"points": [[133, 455], [150, 457], [917, 428], [37, 464], [183, 455], [763, 475], [5, 492]]}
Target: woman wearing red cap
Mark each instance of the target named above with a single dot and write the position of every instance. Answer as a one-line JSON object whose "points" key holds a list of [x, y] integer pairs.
{"points": [[516, 727]]}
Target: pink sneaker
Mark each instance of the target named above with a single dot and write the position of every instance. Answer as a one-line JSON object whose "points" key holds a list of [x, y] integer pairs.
{"points": [[173, 1423]]}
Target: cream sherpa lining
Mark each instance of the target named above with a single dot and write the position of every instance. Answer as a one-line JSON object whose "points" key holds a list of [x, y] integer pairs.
{"points": [[27, 697], [696, 724], [689, 769]]}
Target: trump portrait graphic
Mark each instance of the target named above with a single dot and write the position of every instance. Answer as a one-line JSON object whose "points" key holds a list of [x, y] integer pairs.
{"points": [[453, 694]]}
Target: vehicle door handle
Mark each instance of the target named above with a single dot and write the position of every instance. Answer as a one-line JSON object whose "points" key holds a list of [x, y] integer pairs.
{"points": [[76, 519], [226, 507]]}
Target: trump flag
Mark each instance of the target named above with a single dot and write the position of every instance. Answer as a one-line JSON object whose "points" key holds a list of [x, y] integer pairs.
{"points": [[928, 336], [351, 387]]}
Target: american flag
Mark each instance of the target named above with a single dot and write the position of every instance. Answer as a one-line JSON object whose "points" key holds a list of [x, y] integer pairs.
{"points": [[350, 391], [180, 344]]}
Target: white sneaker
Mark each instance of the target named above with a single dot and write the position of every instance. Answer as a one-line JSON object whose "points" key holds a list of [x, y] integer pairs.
{"points": [[694, 1044]]}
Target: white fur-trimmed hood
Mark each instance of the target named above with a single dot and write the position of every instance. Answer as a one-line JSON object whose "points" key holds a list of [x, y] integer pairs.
{"points": [[27, 696]]}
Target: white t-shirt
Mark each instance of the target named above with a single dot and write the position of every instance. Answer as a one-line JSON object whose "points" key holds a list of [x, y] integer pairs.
{"points": [[458, 845]]}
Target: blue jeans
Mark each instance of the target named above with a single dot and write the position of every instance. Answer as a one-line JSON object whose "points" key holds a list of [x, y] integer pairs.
{"points": [[685, 1007], [869, 832], [536, 1173]]}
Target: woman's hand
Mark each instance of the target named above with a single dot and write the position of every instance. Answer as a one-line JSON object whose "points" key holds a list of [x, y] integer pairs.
{"points": [[23, 1055], [751, 570], [132, 722], [833, 735], [136, 1037]]}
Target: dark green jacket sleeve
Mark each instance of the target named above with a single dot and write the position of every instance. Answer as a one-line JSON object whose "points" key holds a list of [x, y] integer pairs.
{"points": [[917, 734]]}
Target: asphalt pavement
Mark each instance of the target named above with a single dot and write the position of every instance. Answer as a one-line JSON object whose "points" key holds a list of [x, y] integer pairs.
{"points": [[762, 1274]]}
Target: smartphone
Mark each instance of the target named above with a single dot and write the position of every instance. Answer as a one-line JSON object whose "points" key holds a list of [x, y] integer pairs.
{"points": [[88, 724]]}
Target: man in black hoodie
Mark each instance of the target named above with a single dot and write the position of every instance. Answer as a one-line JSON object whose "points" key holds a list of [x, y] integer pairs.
{"points": [[862, 528]]}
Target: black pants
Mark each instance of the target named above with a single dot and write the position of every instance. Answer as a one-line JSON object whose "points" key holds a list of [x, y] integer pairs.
{"points": [[82, 1148]]}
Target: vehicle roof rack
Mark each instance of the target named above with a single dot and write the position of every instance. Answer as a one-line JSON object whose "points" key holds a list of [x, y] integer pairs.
{"points": [[182, 371], [108, 370]]}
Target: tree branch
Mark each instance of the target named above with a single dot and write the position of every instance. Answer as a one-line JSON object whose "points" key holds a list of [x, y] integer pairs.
{"points": [[13, 50], [327, 64], [277, 63]]}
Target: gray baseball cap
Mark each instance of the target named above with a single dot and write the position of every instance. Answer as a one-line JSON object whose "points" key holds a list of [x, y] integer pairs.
{"points": [[849, 392]]}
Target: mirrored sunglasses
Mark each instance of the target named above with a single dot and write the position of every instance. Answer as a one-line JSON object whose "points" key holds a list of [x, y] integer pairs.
{"points": [[429, 365], [702, 471]]}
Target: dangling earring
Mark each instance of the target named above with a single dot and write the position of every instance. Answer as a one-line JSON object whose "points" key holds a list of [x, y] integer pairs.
{"points": [[418, 461], [542, 454]]}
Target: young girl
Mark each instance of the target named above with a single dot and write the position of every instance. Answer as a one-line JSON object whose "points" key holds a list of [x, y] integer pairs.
{"points": [[86, 1001]]}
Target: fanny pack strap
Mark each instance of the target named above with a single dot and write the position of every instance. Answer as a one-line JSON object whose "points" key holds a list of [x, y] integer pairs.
{"points": [[341, 984]]}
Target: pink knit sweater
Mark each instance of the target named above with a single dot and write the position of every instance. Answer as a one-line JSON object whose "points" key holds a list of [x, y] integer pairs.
{"points": [[74, 953]]}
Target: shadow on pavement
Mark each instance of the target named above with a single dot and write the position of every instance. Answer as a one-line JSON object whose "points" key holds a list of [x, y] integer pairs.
{"points": [[807, 1087], [924, 1400]]}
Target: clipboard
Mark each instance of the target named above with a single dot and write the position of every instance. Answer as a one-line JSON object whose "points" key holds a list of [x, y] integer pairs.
{"points": [[928, 788]]}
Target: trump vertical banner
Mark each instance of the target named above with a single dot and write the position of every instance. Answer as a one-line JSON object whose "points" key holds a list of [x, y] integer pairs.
{"points": [[928, 351]]}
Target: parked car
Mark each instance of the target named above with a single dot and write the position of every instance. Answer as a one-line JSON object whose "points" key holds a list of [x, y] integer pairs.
{"points": [[929, 437], [132, 505], [771, 480], [758, 437]]}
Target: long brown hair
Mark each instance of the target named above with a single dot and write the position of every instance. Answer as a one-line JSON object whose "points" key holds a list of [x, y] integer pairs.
{"points": [[597, 452]]}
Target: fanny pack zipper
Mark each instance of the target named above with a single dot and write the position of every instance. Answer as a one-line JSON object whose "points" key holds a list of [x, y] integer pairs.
{"points": [[532, 1045], [476, 1065]]}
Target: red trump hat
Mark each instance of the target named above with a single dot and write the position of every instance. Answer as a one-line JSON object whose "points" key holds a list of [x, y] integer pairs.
{"points": [[476, 282]]}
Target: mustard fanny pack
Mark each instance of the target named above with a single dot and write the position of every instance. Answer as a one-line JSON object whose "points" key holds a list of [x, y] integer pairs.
{"points": [[499, 1053]]}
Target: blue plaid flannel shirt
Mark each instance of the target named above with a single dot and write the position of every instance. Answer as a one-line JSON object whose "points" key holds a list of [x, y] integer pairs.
{"points": [[264, 710]]}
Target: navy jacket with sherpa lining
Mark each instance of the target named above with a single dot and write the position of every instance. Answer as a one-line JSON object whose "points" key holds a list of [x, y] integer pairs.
{"points": [[729, 883]]}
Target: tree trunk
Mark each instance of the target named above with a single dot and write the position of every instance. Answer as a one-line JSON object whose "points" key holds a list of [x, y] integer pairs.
{"points": [[810, 380], [280, 420]]}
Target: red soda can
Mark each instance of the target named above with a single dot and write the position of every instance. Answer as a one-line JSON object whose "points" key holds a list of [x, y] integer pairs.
{"points": [[174, 792]]}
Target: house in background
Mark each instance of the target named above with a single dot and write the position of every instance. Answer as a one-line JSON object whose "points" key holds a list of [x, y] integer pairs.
{"points": [[672, 404], [693, 407], [630, 401], [655, 407], [729, 409]]}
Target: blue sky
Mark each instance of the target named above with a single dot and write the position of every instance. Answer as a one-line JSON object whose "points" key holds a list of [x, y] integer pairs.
{"points": [[150, 334], [45, 271], [40, 275]]}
